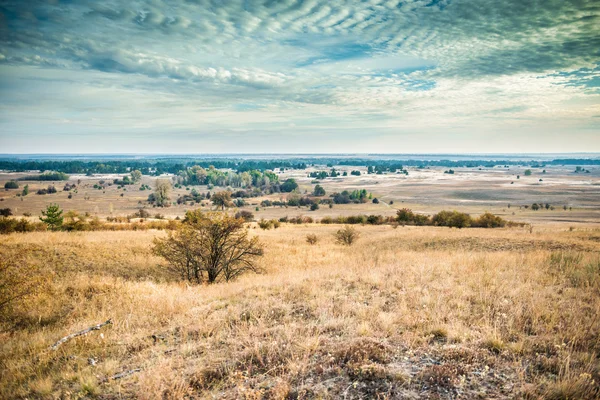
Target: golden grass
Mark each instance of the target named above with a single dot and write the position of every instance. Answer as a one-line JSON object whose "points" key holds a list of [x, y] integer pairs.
{"points": [[412, 311]]}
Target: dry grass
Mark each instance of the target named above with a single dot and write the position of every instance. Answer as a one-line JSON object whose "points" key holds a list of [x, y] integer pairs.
{"points": [[413, 311]]}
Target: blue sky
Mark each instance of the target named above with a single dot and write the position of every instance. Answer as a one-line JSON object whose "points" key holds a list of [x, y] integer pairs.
{"points": [[206, 76]]}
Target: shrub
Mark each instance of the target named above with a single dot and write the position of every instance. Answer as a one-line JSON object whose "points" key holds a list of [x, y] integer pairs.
{"points": [[5, 212], [314, 207], [11, 185], [375, 200], [265, 224], [311, 239], [452, 219], [347, 236], [375, 219], [489, 220], [405, 216], [209, 248], [245, 215]]}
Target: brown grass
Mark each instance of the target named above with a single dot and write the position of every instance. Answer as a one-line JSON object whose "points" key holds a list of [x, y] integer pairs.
{"points": [[403, 312]]}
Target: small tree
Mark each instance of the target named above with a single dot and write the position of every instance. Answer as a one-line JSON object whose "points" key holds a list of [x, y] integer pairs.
{"points": [[314, 207], [136, 176], [221, 199], [527, 172], [161, 193], [25, 190], [210, 247], [289, 185], [319, 191], [11, 185], [347, 236], [52, 217]]}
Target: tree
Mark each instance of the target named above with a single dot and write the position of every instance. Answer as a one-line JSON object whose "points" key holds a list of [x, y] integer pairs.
{"points": [[136, 176], [527, 172], [210, 247], [221, 199], [25, 190], [53, 217], [314, 207], [11, 185], [161, 193], [289, 185], [375, 200], [319, 191], [535, 207]]}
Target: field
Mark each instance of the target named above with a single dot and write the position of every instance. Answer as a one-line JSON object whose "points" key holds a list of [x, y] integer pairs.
{"points": [[405, 312], [429, 190], [410, 312]]}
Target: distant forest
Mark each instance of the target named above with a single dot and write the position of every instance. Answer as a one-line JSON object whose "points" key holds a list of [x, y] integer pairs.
{"points": [[175, 165]]}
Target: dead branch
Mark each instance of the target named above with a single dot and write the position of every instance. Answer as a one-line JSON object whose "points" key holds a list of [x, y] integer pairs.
{"points": [[124, 374], [80, 333]]}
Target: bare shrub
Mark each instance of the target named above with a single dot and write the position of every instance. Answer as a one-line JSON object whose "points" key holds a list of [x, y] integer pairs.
{"points": [[312, 239], [210, 248], [347, 236]]}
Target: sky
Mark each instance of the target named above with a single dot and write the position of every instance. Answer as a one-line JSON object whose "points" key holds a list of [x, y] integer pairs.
{"points": [[292, 76]]}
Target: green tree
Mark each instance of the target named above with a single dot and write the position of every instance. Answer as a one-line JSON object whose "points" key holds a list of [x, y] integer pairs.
{"points": [[527, 172], [319, 191], [11, 185], [136, 176], [289, 185], [52, 217], [210, 247], [25, 190]]}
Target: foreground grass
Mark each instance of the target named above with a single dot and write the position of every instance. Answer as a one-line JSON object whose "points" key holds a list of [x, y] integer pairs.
{"points": [[429, 312]]}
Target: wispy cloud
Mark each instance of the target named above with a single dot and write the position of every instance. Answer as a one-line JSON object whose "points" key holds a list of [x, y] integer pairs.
{"points": [[193, 70]]}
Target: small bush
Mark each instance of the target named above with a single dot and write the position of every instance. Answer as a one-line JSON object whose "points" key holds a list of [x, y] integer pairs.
{"points": [[265, 224], [489, 220], [452, 219], [347, 236], [11, 185], [312, 239], [245, 215]]}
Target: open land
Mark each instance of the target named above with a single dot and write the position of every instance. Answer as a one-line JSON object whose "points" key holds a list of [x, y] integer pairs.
{"points": [[405, 312]]}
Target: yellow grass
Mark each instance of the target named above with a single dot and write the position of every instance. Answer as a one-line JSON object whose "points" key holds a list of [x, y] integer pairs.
{"points": [[412, 311]]}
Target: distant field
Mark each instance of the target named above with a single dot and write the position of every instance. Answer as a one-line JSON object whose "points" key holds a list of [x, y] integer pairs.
{"points": [[429, 190]]}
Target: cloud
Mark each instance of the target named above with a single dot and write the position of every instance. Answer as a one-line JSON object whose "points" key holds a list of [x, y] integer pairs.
{"points": [[376, 64]]}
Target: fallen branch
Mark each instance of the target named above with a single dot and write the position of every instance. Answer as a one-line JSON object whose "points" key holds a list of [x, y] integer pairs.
{"points": [[124, 374], [80, 333]]}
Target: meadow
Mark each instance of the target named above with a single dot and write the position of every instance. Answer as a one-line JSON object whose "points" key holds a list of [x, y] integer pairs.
{"points": [[405, 312]]}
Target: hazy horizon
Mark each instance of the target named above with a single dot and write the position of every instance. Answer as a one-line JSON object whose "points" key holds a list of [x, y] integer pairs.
{"points": [[295, 76]]}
